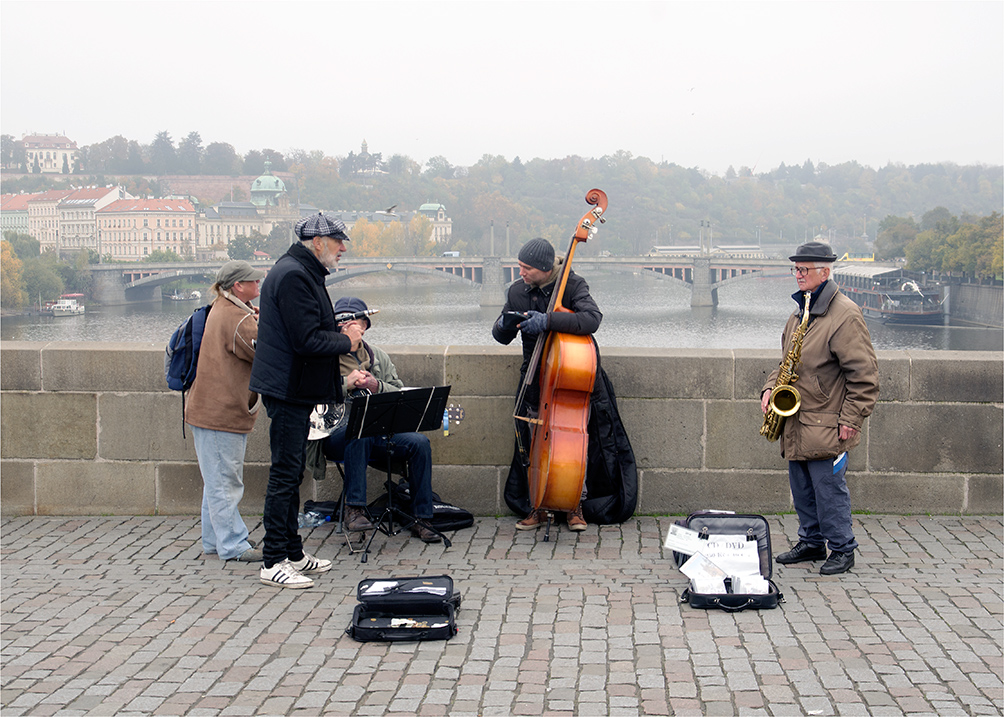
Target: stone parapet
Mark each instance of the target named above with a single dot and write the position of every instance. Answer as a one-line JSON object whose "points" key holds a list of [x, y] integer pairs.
{"points": [[91, 428]]}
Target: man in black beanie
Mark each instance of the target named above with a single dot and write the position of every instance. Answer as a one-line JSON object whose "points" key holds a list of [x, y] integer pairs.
{"points": [[531, 295]]}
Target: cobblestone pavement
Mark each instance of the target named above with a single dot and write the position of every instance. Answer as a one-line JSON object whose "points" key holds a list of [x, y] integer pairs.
{"points": [[125, 615]]}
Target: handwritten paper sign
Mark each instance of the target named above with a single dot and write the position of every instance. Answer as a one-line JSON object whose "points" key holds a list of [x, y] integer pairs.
{"points": [[734, 554]]}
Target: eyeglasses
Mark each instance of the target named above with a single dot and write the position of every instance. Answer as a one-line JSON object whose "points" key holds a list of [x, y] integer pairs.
{"points": [[802, 270]]}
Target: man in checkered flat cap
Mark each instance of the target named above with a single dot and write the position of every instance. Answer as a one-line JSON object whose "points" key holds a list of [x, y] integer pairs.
{"points": [[295, 368]]}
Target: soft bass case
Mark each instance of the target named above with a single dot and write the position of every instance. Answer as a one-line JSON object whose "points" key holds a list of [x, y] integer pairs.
{"points": [[405, 609], [755, 527]]}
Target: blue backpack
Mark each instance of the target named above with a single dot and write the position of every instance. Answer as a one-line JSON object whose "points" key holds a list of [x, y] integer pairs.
{"points": [[181, 357]]}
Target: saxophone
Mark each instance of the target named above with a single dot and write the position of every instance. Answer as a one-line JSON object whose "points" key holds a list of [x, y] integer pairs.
{"points": [[785, 399]]}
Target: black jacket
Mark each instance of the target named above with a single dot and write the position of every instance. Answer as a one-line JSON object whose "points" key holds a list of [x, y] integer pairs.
{"points": [[298, 342], [524, 297], [611, 473]]}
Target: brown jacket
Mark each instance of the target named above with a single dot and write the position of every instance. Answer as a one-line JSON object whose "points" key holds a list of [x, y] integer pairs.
{"points": [[220, 399], [837, 378]]}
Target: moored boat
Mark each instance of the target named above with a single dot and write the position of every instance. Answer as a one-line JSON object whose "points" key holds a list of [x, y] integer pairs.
{"points": [[67, 305], [889, 294]]}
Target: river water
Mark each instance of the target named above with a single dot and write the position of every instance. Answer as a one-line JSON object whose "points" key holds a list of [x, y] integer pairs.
{"points": [[637, 311]]}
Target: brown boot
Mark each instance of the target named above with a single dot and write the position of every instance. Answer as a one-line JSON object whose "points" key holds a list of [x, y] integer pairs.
{"points": [[356, 520], [533, 521], [423, 532], [575, 520]]}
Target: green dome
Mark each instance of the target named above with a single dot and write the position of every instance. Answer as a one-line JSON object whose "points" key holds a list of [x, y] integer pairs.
{"points": [[266, 189]]}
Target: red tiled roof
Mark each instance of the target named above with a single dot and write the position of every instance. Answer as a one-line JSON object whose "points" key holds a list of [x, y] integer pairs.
{"points": [[149, 205], [52, 195], [15, 202]]}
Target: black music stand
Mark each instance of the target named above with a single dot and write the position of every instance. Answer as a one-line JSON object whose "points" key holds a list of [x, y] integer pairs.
{"points": [[384, 414]]}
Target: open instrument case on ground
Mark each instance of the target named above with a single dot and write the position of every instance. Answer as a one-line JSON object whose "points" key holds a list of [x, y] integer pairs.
{"points": [[405, 609], [752, 528]]}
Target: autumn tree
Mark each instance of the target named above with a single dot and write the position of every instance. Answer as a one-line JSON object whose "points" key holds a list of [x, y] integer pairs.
{"points": [[12, 293], [367, 239], [419, 237]]}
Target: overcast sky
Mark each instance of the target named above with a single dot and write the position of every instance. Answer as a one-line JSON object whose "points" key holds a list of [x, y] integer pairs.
{"points": [[700, 84]]}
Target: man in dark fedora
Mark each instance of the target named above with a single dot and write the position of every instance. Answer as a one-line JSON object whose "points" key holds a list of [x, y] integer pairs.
{"points": [[295, 368], [838, 384]]}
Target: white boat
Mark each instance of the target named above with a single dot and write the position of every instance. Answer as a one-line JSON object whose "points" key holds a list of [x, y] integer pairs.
{"points": [[67, 307]]}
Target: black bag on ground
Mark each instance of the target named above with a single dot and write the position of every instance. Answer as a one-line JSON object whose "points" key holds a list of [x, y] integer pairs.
{"points": [[445, 516], [754, 527], [405, 609]]}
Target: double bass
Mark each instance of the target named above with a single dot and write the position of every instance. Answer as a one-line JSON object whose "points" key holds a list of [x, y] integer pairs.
{"points": [[556, 461]]}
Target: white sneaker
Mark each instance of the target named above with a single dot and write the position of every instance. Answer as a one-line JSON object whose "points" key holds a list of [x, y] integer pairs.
{"points": [[284, 575], [310, 565]]}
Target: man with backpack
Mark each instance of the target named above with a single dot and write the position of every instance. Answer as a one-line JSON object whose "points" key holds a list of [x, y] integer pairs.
{"points": [[296, 367], [221, 410]]}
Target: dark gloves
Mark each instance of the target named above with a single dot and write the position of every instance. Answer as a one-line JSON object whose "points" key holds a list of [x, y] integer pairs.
{"points": [[536, 324]]}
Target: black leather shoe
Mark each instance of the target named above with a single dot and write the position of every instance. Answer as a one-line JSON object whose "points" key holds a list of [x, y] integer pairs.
{"points": [[801, 553], [837, 563]]}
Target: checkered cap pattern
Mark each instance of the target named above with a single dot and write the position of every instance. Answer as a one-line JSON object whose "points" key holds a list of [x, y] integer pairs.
{"points": [[321, 225]]}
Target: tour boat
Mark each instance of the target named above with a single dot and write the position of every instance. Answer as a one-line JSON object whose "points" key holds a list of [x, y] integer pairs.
{"points": [[67, 305], [890, 294]]}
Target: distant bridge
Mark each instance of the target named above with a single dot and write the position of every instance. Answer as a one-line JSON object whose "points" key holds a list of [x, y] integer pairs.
{"points": [[703, 275]]}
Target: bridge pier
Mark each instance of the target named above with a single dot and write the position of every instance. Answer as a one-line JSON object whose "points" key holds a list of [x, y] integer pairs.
{"points": [[703, 291], [107, 287], [492, 283], [139, 294]]}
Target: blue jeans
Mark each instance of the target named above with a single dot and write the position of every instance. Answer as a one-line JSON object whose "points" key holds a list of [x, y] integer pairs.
{"points": [[221, 461], [357, 454], [823, 503], [287, 437]]}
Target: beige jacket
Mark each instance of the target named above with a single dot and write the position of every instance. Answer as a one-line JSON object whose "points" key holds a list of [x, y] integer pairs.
{"points": [[220, 399], [837, 378]]}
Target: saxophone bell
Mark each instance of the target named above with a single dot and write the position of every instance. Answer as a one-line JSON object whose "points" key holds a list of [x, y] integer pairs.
{"points": [[785, 401]]}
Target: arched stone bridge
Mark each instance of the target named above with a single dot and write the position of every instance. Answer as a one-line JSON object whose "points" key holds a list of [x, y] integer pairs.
{"points": [[703, 275]]}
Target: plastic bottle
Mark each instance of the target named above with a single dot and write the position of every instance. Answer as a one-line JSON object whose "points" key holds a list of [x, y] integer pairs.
{"points": [[310, 519]]}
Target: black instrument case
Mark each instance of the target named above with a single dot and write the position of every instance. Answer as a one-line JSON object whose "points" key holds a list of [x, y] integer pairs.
{"points": [[754, 527], [405, 609]]}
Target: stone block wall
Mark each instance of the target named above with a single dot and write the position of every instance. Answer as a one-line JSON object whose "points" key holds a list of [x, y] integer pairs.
{"points": [[91, 428]]}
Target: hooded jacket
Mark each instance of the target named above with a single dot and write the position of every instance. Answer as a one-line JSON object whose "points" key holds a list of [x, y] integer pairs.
{"points": [[837, 376]]}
